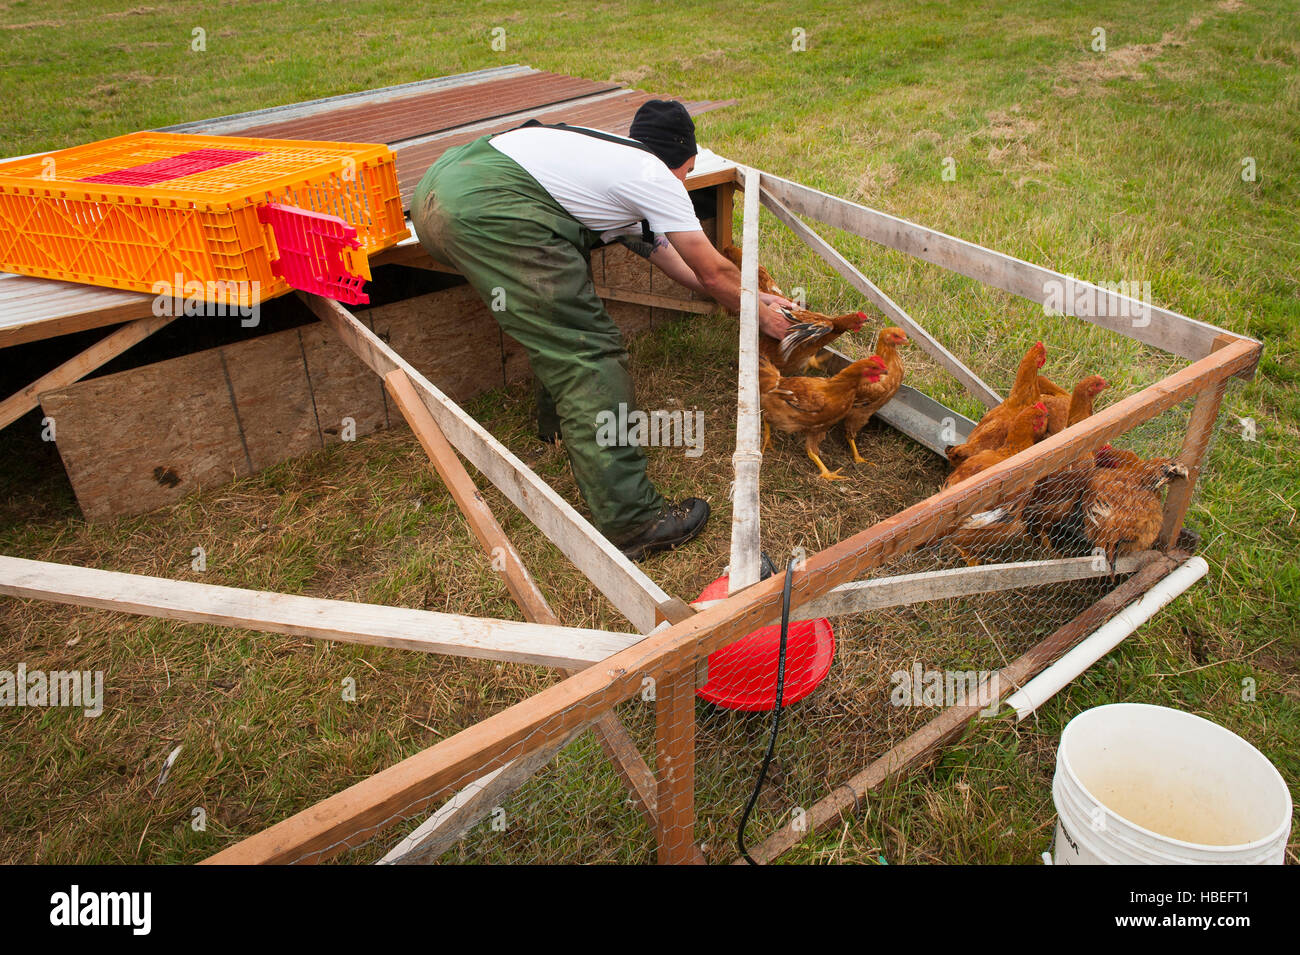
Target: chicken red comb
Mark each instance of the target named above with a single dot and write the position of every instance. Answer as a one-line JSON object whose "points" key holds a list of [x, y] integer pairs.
{"points": [[862, 315], [1040, 407]]}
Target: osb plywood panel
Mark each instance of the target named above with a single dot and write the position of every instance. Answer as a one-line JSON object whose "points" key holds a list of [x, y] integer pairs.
{"points": [[450, 336], [144, 438], [270, 389], [342, 386]]}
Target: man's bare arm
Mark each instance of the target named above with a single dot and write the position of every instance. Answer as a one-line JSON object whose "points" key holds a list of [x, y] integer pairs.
{"points": [[667, 260], [691, 260]]}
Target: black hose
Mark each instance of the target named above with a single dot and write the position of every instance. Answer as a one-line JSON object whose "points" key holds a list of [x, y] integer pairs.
{"points": [[776, 715]]}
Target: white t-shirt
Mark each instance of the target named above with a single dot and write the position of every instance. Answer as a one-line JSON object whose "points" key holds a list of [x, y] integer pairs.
{"points": [[606, 186]]}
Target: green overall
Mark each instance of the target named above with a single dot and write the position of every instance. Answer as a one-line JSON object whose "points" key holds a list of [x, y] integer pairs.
{"points": [[478, 210]]}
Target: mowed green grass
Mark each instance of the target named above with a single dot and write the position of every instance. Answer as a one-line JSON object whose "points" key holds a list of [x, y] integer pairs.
{"points": [[1123, 165]]}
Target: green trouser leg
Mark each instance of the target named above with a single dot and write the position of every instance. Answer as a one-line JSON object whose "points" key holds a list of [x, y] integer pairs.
{"points": [[479, 211]]}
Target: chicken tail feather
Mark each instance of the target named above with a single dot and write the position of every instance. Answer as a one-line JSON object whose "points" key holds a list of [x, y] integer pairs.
{"points": [[802, 333]]}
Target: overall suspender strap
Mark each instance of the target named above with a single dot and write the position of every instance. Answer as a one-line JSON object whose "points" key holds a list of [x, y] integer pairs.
{"points": [[646, 234], [594, 133]]}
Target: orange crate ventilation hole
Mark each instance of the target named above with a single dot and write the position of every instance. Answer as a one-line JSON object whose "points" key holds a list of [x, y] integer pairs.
{"points": [[149, 208]]}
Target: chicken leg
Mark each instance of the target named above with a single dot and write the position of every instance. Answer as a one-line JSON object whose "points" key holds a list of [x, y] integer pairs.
{"points": [[812, 447], [856, 456]]}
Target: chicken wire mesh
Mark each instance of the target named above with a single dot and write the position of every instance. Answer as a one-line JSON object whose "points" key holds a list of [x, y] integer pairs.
{"points": [[934, 633], [924, 631]]}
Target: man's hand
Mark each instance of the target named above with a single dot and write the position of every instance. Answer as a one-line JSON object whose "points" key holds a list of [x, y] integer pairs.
{"points": [[774, 323], [694, 262], [776, 301], [707, 270]]}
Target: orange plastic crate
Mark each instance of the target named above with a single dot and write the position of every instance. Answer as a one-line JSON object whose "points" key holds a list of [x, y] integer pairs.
{"points": [[143, 209]]}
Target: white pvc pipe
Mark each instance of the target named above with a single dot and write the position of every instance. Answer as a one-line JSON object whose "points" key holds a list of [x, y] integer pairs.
{"points": [[1105, 638]]}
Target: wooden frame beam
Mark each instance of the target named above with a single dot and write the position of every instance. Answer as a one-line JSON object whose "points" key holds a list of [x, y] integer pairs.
{"points": [[339, 821], [402, 628], [694, 306], [1161, 328], [482, 522], [442, 830], [635, 595], [928, 343], [411, 254], [614, 737], [78, 367], [881, 593]]}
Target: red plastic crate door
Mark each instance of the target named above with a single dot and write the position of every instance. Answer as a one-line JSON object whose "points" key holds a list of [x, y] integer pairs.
{"points": [[318, 253]]}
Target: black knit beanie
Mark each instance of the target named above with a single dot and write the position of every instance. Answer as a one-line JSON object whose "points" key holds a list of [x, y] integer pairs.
{"points": [[667, 128]]}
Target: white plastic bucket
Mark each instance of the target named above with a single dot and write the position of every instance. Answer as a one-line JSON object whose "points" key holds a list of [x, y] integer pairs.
{"points": [[1147, 785]]}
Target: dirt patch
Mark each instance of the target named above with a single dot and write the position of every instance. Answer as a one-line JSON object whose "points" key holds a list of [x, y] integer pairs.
{"points": [[133, 12], [633, 76], [874, 183], [1126, 62], [709, 58], [1012, 141], [119, 84], [33, 24], [1010, 124]]}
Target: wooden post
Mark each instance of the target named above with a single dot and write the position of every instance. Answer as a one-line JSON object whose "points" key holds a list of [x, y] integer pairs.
{"points": [[1200, 428], [725, 199], [746, 553], [675, 765]]}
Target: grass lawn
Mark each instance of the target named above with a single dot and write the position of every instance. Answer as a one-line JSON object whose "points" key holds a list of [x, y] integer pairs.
{"points": [[1122, 165]]}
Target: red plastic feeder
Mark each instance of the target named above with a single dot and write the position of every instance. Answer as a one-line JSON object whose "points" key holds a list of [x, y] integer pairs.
{"points": [[742, 675]]}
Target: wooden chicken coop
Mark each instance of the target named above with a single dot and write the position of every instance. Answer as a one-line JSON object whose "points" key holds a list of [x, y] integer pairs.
{"points": [[433, 798]]}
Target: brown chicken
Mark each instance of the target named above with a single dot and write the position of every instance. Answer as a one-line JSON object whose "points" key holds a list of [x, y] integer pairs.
{"points": [[810, 332], [811, 406], [872, 396], [1108, 456], [765, 283], [1027, 428], [1051, 515], [1063, 410], [1001, 529], [992, 429], [1047, 387], [1121, 510]]}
